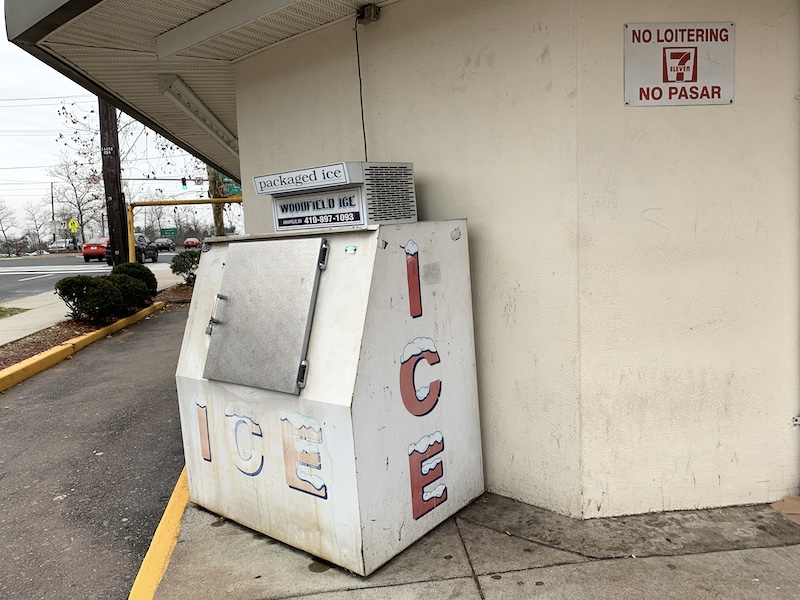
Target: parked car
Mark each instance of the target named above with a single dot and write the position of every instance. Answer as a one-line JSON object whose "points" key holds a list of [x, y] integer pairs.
{"points": [[145, 249], [191, 243], [165, 244], [95, 248], [63, 245]]}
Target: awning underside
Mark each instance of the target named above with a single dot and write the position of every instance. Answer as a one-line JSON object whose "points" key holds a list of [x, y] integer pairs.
{"points": [[118, 48]]}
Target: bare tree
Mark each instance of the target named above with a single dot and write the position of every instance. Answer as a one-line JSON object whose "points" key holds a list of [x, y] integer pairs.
{"points": [[78, 189], [36, 222], [7, 225], [158, 217]]}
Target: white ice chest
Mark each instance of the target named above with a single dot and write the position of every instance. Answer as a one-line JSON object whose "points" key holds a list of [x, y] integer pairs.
{"points": [[381, 442]]}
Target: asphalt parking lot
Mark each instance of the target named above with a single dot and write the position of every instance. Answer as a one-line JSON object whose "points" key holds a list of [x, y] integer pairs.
{"points": [[89, 454]]}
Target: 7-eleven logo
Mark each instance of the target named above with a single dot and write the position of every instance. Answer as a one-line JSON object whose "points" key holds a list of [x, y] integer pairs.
{"points": [[680, 65]]}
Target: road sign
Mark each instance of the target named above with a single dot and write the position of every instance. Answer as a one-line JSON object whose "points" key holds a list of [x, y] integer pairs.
{"points": [[169, 231], [231, 188], [72, 225]]}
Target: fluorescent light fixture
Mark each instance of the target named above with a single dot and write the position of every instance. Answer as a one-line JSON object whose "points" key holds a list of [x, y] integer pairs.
{"points": [[184, 98], [229, 16]]}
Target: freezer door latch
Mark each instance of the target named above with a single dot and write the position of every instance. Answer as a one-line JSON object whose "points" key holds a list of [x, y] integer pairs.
{"points": [[301, 374]]}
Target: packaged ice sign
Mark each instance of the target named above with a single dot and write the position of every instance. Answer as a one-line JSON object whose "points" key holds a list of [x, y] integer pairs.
{"points": [[674, 64], [328, 390], [348, 194]]}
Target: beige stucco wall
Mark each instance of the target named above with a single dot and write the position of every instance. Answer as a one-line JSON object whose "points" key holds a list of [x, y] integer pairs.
{"points": [[634, 269], [688, 270]]}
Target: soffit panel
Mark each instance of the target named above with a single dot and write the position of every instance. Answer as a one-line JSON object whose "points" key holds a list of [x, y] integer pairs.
{"points": [[128, 24], [295, 19]]}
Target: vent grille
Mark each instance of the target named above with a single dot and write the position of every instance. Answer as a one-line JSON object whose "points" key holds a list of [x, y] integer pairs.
{"points": [[389, 193]]}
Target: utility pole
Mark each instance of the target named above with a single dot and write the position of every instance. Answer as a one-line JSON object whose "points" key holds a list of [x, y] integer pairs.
{"points": [[115, 200], [53, 210]]}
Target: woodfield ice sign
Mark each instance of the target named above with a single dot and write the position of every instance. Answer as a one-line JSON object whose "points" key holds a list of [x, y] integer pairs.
{"points": [[671, 64]]}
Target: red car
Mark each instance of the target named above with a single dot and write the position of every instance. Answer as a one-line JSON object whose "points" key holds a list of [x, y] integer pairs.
{"points": [[191, 243], [95, 248]]}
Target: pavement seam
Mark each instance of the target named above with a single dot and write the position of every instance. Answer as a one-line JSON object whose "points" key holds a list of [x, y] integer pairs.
{"points": [[630, 557], [11, 376], [156, 561], [541, 543], [469, 560]]}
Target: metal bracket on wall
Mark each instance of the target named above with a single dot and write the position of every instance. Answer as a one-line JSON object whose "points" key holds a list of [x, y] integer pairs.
{"points": [[368, 13], [796, 420]]}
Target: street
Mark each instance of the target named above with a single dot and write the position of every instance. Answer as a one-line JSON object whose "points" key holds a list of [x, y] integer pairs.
{"points": [[90, 451], [31, 275]]}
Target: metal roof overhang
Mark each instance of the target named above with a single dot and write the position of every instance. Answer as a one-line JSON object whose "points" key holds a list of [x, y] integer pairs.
{"points": [[117, 49]]}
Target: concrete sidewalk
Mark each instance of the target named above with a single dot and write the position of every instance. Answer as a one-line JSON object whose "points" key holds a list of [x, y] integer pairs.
{"points": [[499, 548], [46, 309]]}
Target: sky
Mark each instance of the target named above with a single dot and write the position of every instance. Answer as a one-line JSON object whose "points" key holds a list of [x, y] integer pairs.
{"points": [[30, 96]]}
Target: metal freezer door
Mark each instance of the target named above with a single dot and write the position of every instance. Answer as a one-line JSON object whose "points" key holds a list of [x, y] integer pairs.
{"points": [[261, 320]]}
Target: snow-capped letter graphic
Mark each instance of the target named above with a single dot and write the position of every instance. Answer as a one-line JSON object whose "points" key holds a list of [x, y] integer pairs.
{"points": [[412, 273], [419, 401], [302, 440], [426, 468], [244, 435]]}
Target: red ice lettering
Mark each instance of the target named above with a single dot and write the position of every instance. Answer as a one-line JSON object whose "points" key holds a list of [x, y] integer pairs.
{"points": [[412, 273], [418, 401], [426, 468]]}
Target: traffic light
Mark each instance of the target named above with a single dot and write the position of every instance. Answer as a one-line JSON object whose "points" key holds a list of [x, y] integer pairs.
{"points": [[183, 183]]}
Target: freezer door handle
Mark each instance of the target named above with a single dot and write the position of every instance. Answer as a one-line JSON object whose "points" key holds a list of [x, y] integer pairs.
{"points": [[323, 255], [214, 320], [301, 374]]}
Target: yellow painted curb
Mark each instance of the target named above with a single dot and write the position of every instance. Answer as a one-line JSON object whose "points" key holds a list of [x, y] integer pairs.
{"points": [[11, 376], [156, 560]]}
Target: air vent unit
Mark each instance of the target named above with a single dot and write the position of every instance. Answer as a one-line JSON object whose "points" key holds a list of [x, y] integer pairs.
{"points": [[389, 193], [347, 194]]}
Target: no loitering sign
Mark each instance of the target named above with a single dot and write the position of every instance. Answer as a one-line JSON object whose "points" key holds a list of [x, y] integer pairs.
{"points": [[675, 64]]}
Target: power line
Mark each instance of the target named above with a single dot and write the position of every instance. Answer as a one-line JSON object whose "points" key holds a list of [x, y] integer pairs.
{"points": [[148, 158], [4, 106], [32, 134], [46, 98], [30, 167]]}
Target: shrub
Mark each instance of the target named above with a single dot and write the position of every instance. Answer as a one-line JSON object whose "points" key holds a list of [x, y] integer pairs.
{"points": [[185, 263], [73, 290], [93, 299], [104, 300], [134, 292], [140, 272]]}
